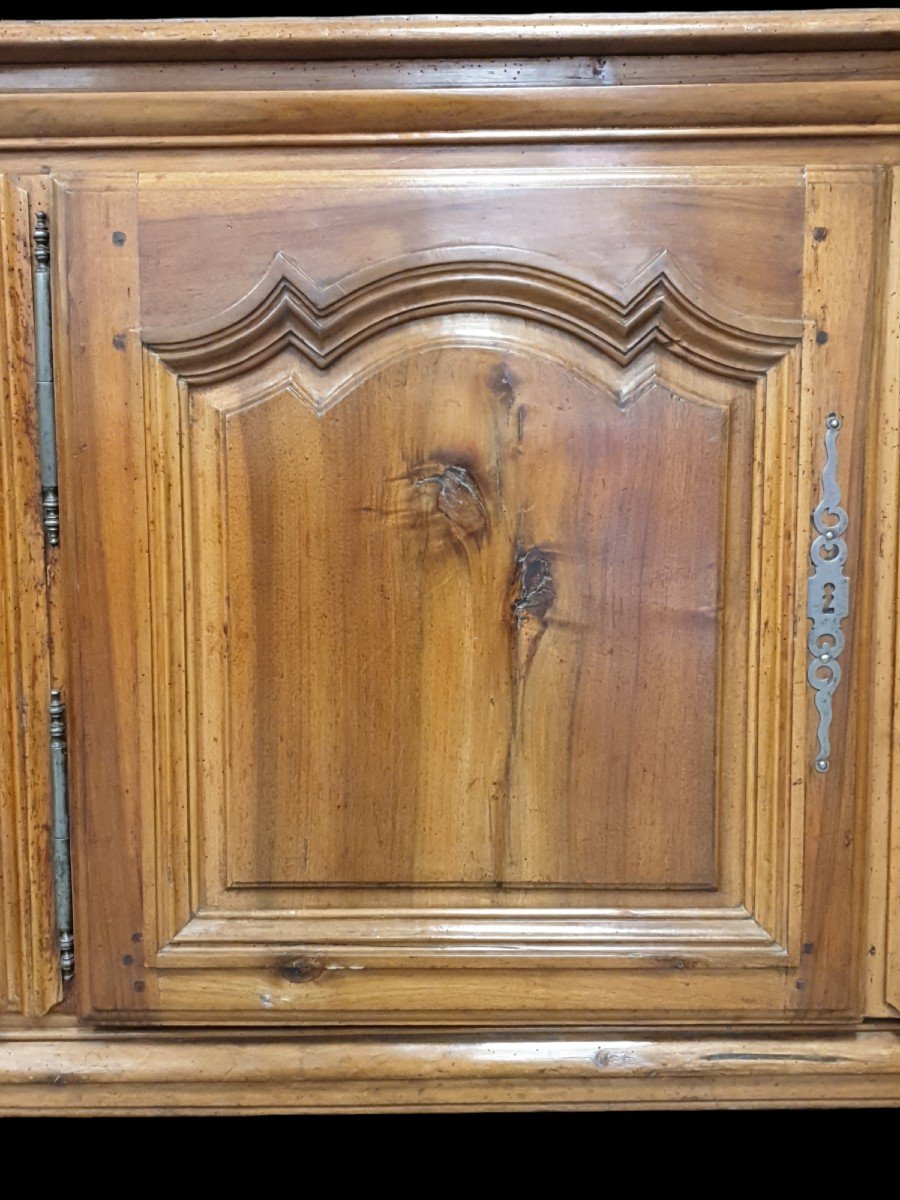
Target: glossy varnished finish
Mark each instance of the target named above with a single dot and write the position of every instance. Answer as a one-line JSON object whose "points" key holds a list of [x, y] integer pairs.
{"points": [[119, 84], [886, 826], [402, 721], [28, 980], [438, 37], [101, 1074], [436, 527], [479, 115], [881, 513], [397, 643]]}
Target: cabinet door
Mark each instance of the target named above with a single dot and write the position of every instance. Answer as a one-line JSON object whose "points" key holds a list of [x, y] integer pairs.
{"points": [[437, 541]]}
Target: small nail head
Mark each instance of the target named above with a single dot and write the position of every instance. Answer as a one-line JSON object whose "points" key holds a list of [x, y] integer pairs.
{"points": [[833, 422], [821, 764]]}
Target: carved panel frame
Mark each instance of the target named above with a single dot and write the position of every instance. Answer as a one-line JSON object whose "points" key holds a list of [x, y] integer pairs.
{"points": [[286, 322], [783, 916]]}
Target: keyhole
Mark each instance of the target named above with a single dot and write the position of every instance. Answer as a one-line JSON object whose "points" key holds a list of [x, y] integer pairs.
{"points": [[828, 599]]}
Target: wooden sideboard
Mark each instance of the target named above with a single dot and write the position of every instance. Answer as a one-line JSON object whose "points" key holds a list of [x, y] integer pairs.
{"points": [[450, 478]]}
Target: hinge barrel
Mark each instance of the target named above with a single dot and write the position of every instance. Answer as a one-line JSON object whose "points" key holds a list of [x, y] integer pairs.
{"points": [[43, 356], [62, 861]]}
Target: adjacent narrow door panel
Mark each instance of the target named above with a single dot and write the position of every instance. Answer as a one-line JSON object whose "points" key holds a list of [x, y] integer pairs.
{"points": [[438, 565], [14, 389], [29, 972]]}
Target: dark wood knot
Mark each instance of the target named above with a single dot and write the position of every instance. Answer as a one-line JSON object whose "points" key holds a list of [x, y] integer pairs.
{"points": [[302, 971]]}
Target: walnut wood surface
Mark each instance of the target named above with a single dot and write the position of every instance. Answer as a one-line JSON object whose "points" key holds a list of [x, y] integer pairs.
{"points": [[28, 976], [315, 38], [479, 114], [101, 1074], [377, 359], [432, 711], [886, 802], [396, 646]]}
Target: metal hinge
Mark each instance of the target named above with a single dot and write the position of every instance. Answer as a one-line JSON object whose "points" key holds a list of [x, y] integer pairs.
{"points": [[62, 861], [46, 423], [43, 361]]}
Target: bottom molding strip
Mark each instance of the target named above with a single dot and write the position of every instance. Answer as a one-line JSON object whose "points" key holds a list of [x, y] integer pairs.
{"points": [[100, 1073]]}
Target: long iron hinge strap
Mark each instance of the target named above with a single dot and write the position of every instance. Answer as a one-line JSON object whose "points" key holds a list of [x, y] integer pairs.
{"points": [[62, 861], [43, 355]]}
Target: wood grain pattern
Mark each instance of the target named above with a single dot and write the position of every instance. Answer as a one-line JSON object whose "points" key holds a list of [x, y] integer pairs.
{"points": [[101, 438], [363, 412], [440, 669], [371, 37], [461, 491], [838, 377], [287, 308], [779, 155], [485, 113], [292, 715], [882, 516], [593, 667], [886, 804], [671, 236], [103, 1074], [584, 70], [29, 980]]}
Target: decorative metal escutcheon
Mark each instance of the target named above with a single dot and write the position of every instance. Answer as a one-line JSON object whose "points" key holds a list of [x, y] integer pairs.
{"points": [[828, 599]]}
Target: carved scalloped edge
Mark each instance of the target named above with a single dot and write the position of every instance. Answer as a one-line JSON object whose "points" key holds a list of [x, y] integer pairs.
{"points": [[658, 306]]}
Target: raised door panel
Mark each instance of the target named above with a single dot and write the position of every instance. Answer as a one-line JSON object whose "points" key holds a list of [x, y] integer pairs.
{"points": [[418, 660], [395, 743], [438, 650]]}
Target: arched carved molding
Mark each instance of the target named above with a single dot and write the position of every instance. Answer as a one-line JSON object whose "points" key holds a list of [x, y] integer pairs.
{"points": [[659, 306], [321, 391]]}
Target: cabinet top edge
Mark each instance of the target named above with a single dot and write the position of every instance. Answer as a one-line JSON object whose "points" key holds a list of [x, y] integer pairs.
{"points": [[399, 37]]}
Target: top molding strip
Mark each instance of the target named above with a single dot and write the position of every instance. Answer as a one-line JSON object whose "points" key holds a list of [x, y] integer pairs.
{"points": [[305, 38], [176, 84]]}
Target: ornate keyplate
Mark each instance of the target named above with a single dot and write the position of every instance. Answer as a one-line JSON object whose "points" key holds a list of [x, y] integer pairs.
{"points": [[828, 601]]}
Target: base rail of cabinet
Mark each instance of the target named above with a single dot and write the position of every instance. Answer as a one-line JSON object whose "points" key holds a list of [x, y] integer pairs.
{"points": [[90, 1073]]}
